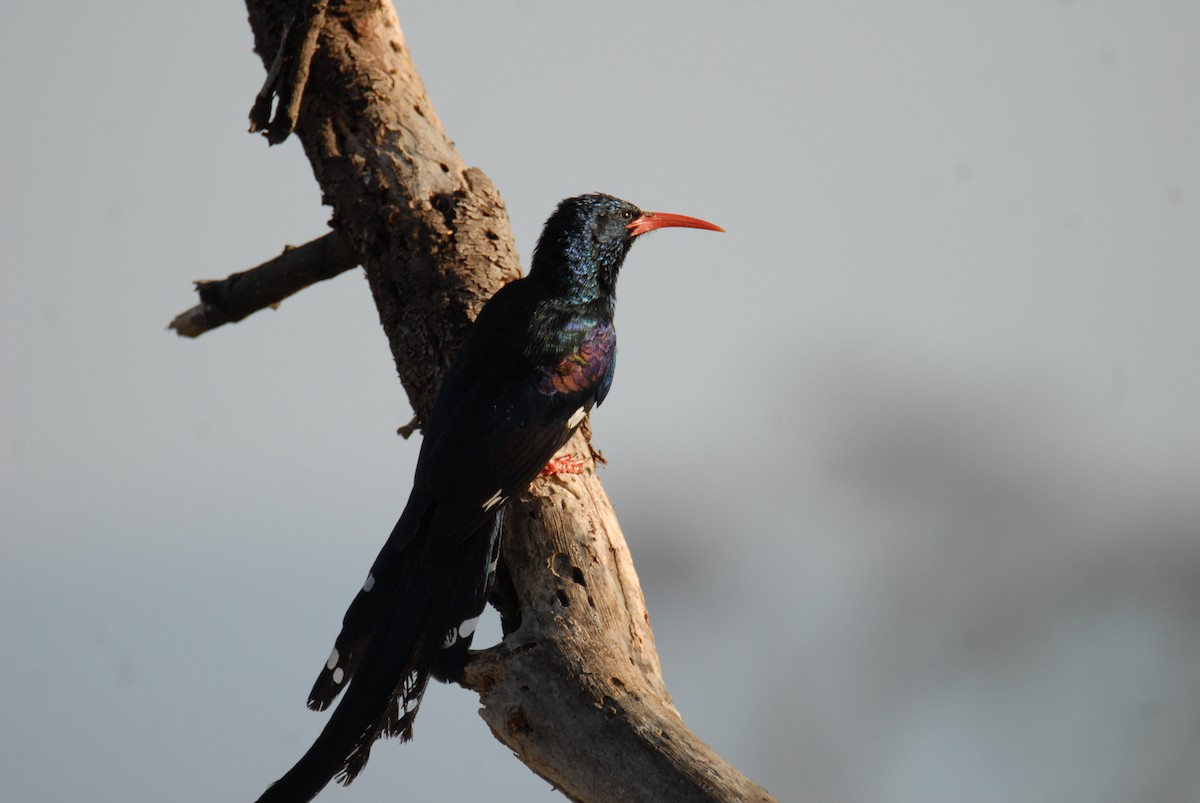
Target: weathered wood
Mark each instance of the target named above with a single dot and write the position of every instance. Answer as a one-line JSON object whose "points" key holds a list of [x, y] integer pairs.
{"points": [[575, 688], [288, 73], [433, 234], [242, 294]]}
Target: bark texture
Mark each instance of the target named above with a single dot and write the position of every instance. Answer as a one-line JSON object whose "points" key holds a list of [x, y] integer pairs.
{"points": [[433, 234], [575, 689]]}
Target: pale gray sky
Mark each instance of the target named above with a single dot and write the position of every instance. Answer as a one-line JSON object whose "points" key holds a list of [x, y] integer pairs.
{"points": [[908, 459]]}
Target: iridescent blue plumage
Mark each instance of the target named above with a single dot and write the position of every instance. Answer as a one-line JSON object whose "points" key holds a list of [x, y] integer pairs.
{"points": [[539, 357]]}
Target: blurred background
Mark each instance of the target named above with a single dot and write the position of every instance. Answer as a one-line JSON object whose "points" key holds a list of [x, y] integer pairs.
{"points": [[909, 460]]}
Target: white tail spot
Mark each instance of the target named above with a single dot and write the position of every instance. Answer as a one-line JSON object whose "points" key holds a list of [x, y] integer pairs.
{"points": [[338, 675], [367, 586], [333, 659], [468, 627]]}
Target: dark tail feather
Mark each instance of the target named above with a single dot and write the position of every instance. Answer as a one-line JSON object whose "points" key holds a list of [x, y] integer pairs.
{"points": [[383, 668], [364, 612], [469, 604], [424, 626]]}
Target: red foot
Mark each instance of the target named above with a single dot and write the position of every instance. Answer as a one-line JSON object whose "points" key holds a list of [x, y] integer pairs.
{"points": [[564, 464]]}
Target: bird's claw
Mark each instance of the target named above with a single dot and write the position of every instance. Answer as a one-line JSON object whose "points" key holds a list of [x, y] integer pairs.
{"points": [[564, 464]]}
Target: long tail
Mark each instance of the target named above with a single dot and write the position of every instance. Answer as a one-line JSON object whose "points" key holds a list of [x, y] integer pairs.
{"points": [[409, 622]]}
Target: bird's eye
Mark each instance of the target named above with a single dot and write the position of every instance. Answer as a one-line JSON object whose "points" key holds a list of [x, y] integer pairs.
{"points": [[626, 214]]}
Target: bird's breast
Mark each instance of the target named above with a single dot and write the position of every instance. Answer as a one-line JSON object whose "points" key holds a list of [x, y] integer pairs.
{"points": [[583, 364]]}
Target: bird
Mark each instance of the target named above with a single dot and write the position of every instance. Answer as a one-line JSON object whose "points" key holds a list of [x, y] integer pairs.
{"points": [[537, 359]]}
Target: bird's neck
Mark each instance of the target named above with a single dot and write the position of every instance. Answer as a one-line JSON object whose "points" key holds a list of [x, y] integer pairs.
{"points": [[580, 275], [577, 303], [568, 306]]}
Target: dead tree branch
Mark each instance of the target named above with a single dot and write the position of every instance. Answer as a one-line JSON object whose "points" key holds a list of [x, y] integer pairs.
{"points": [[241, 294], [575, 688]]}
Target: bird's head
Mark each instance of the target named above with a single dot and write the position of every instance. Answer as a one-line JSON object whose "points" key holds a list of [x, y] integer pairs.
{"points": [[585, 241]]}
